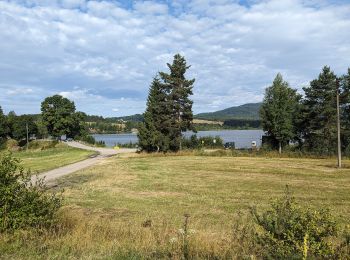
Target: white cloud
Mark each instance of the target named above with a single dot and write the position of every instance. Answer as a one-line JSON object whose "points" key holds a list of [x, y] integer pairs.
{"points": [[19, 91], [150, 7], [114, 52]]}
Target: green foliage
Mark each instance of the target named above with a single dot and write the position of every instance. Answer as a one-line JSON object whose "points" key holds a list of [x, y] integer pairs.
{"points": [[169, 109], [345, 112], [11, 145], [128, 145], [291, 232], [91, 140], [23, 204], [154, 132], [60, 118], [320, 113], [278, 111], [42, 145], [4, 129], [18, 126], [242, 123], [248, 111], [202, 142], [179, 89]]}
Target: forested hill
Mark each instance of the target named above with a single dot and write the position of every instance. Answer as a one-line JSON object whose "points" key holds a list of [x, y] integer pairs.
{"points": [[248, 111], [132, 118]]}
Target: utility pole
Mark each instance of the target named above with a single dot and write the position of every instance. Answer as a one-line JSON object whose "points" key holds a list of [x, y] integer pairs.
{"points": [[338, 126], [27, 136]]}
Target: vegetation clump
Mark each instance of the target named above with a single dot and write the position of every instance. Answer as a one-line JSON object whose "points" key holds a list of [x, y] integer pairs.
{"points": [[290, 231], [195, 142], [23, 203]]}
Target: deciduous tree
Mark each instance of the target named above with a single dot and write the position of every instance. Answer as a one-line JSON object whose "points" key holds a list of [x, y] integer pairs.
{"points": [[60, 118], [278, 111]]}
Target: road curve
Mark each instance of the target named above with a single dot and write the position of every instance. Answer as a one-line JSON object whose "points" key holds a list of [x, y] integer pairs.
{"points": [[103, 153]]}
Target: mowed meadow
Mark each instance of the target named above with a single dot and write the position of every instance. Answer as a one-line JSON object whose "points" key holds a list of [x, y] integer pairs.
{"points": [[133, 206], [44, 156]]}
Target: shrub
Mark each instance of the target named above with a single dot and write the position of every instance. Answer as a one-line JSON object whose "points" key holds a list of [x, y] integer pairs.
{"points": [[127, 145], [11, 145], [292, 232], [42, 145], [22, 203], [202, 142], [91, 140]]}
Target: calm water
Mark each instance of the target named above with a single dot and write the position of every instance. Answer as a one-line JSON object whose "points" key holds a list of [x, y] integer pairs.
{"points": [[242, 138]]}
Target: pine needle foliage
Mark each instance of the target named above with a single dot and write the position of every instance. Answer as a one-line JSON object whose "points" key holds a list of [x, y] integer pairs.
{"points": [[169, 109]]}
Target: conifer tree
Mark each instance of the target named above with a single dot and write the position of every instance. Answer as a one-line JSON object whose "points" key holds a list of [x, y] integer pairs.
{"points": [[154, 132], [345, 111], [179, 90], [278, 111], [4, 129], [320, 115]]}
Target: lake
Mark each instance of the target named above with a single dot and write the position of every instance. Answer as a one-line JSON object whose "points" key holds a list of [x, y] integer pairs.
{"points": [[242, 138]]}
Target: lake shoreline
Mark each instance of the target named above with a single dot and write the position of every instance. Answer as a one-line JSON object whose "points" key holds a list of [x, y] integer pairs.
{"points": [[242, 138]]}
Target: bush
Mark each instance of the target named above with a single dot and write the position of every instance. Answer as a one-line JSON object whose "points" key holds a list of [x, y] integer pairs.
{"points": [[42, 145], [292, 232], [91, 140], [22, 203], [128, 145], [202, 142], [11, 145]]}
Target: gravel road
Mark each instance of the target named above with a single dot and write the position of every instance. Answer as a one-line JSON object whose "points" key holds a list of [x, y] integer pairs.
{"points": [[103, 153]]}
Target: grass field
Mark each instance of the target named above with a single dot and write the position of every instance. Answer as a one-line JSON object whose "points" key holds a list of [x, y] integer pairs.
{"points": [[51, 158], [133, 206]]}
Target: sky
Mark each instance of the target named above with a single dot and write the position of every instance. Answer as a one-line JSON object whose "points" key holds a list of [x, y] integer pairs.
{"points": [[103, 55]]}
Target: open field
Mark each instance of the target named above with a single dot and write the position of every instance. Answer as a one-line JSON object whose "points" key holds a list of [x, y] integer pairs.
{"points": [[51, 158], [134, 205]]}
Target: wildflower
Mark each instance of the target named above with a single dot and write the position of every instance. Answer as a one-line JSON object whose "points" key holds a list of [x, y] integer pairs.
{"points": [[181, 231], [173, 240]]}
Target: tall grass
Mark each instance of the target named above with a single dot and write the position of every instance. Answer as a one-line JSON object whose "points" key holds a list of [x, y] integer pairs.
{"points": [[84, 236]]}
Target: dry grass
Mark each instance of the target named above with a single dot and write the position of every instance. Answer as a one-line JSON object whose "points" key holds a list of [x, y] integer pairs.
{"points": [[108, 205]]}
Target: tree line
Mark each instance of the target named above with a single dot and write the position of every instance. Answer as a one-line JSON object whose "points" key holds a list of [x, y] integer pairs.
{"points": [[58, 118], [308, 122]]}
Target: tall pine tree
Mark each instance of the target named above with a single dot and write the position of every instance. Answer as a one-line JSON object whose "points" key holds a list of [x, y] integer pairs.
{"points": [[320, 115], [179, 90], [345, 111], [278, 111], [169, 109], [154, 132]]}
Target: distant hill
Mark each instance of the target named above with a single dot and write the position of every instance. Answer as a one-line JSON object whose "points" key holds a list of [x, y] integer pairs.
{"points": [[248, 111], [133, 118]]}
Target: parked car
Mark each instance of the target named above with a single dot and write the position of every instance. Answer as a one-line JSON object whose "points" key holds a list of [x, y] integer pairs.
{"points": [[229, 145]]}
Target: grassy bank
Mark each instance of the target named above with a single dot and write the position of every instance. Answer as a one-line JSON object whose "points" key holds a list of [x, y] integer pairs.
{"points": [[43, 160], [134, 206]]}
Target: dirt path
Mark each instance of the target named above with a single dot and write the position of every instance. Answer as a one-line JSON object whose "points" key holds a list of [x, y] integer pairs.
{"points": [[52, 175]]}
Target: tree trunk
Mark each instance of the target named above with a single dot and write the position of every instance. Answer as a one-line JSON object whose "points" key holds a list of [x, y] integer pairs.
{"points": [[279, 147]]}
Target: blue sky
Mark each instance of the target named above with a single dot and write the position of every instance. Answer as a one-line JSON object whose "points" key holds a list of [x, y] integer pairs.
{"points": [[104, 54]]}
